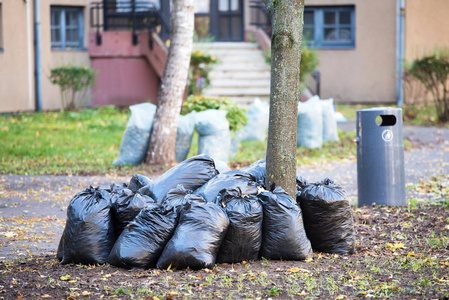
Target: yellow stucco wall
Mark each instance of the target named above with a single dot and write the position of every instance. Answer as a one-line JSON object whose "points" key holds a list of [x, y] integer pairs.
{"points": [[55, 58], [426, 27], [17, 92], [365, 73], [16, 82]]}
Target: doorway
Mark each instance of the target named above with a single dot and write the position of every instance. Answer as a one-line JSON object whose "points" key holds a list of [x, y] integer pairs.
{"points": [[226, 22]]}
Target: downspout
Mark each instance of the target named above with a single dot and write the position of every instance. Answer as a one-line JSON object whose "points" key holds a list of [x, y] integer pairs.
{"points": [[400, 16], [37, 51]]}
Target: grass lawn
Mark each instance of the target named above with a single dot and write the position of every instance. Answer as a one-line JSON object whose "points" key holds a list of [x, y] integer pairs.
{"points": [[61, 142], [86, 142]]}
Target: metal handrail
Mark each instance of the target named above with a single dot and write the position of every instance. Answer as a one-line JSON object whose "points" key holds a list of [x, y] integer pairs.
{"points": [[135, 15], [262, 18]]}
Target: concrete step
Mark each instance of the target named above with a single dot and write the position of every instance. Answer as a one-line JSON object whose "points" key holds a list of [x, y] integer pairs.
{"points": [[230, 82], [255, 59], [242, 75], [225, 45], [234, 52], [237, 91], [244, 67]]}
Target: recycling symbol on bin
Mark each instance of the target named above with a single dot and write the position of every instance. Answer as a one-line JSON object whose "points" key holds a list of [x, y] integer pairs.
{"points": [[387, 135]]}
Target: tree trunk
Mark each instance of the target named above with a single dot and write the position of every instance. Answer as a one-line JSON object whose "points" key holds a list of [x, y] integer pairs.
{"points": [[161, 148], [287, 24]]}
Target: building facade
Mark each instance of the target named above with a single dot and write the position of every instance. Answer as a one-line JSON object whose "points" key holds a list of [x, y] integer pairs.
{"points": [[360, 44]]}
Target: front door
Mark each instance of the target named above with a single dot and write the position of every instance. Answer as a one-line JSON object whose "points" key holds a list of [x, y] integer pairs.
{"points": [[227, 20]]}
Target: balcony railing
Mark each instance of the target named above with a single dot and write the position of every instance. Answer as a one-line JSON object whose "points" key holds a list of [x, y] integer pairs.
{"points": [[133, 15]]}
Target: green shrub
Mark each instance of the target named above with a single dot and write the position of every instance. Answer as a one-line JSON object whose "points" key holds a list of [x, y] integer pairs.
{"points": [[199, 71], [236, 115], [309, 62], [433, 72], [73, 82]]}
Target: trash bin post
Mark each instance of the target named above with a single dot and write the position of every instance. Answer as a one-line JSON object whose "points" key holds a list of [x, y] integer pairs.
{"points": [[380, 157]]}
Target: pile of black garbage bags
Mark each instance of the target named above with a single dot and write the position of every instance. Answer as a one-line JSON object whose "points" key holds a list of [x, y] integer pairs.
{"points": [[193, 216]]}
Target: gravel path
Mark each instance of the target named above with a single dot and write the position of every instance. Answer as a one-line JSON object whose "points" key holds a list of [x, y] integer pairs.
{"points": [[33, 208]]}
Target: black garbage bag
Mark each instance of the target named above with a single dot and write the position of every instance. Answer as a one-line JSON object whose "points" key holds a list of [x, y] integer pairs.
{"points": [[138, 181], [191, 173], [301, 182], [244, 236], [143, 240], [89, 233], [197, 239], [235, 180], [328, 217], [114, 188], [176, 198], [125, 207], [258, 170], [60, 251], [283, 234]]}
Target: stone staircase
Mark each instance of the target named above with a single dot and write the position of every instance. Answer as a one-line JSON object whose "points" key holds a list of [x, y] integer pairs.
{"points": [[240, 74]]}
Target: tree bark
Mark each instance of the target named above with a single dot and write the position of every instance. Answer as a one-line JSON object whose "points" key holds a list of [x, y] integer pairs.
{"points": [[287, 24], [161, 148]]}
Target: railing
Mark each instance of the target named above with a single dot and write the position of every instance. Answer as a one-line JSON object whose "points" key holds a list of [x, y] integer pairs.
{"points": [[259, 16], [134, 15]]}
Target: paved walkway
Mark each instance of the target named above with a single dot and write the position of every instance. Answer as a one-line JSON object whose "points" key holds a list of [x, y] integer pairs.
{"points": [[33, 208], [429, 158]]}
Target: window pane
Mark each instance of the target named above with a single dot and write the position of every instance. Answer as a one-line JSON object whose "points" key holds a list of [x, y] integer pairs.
{"points": [[308, 34], [73, 35], [236, 28], [223, 5], [55, 18], [344, 34], [71, 18], [329, 18], [330, 34], [201, 6], [308, 18], [224, 28], [234, 5], [55, 35], [202, 26], [345, 18]]}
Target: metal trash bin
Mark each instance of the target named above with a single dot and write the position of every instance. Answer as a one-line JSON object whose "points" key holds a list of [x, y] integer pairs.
{"points": [[380, 157]]}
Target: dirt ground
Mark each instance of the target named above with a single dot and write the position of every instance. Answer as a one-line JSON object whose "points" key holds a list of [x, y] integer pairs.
{"points": [[401, 253]]}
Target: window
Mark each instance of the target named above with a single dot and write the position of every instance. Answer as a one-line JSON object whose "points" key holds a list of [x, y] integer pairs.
{"points": [[1, 29], [202, 18], [66, 27], [329, 27]]}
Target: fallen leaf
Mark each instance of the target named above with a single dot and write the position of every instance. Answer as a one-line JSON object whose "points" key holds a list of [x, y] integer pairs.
{"points": [[395, 246], [309, 259], [9, 234], [293, 270], [65, 278]]}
